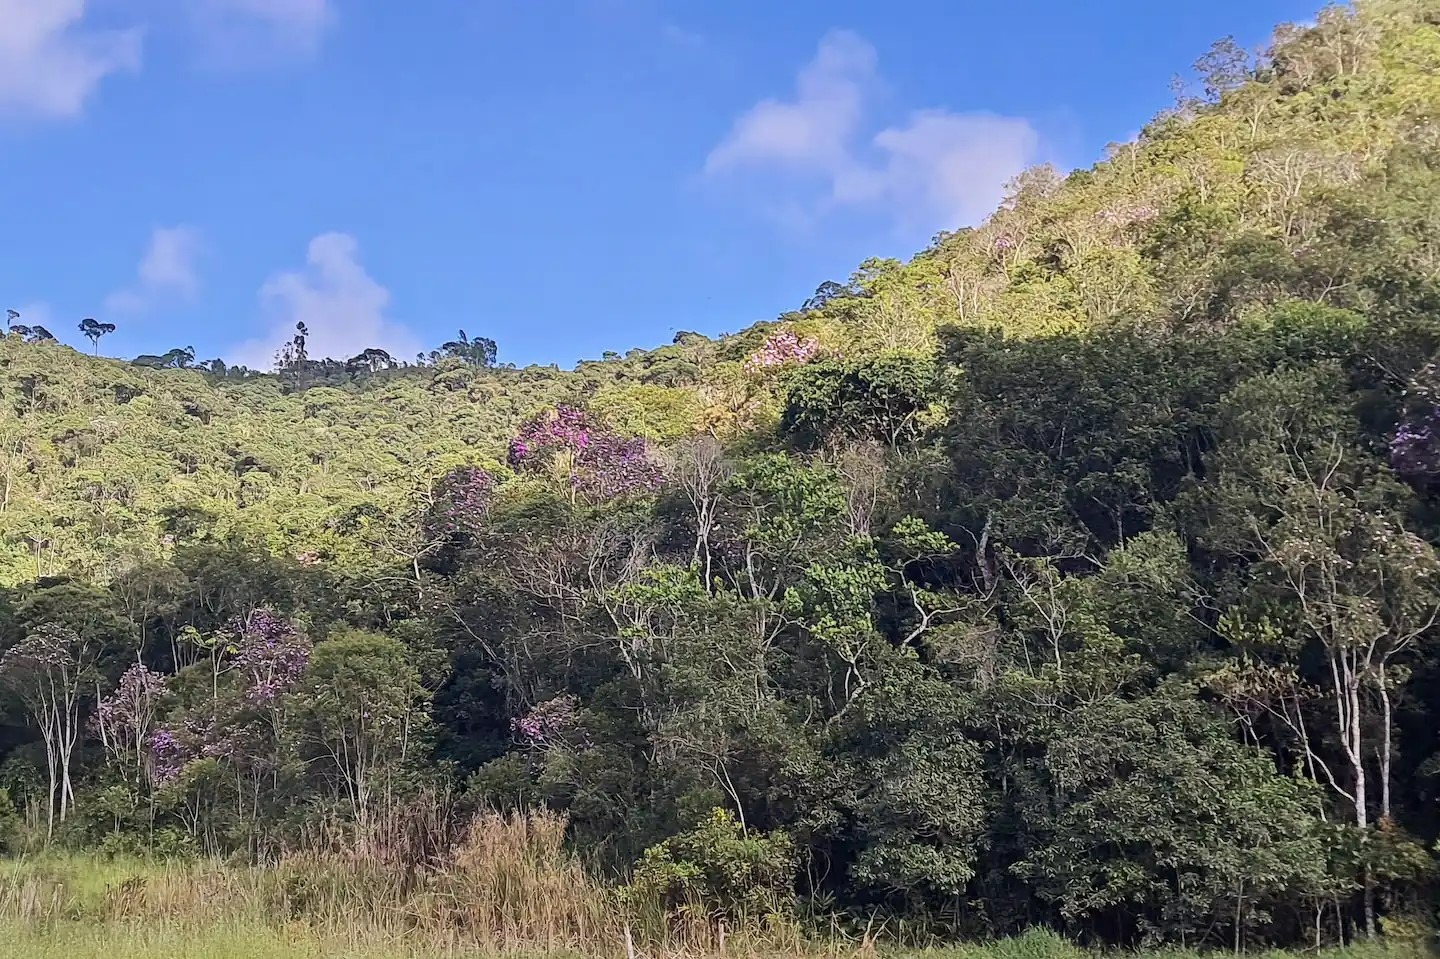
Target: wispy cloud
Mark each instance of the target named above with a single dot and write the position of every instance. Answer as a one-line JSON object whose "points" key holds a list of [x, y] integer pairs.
{"points": [[344, 309], [681, 36], [51, 61], [239, 32], [167, 272], [938, 169]]}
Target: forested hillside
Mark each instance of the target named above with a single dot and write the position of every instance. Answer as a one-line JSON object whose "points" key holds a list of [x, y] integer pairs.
{"points": [[1079, 572]]}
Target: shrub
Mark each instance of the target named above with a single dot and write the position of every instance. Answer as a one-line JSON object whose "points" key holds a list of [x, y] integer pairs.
{"points": [[719, 871], [11, 825]]}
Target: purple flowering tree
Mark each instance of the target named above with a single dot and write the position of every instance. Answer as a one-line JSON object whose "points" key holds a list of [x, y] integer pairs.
{"points": [[595, 462], [460, 501], [270, 655], [47, 672], [168, 756], [262, 657], [125, 718], [1415, 447]]}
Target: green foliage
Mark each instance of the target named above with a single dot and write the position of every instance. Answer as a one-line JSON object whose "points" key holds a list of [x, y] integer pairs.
{"points": [[11, 825], [1151, 806], [719, 871], [362, 710], [882, 398], [1079, 573]]}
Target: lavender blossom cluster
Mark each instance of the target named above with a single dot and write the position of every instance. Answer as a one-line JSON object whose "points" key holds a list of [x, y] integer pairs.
{"points": [[129, 707], [602, 464], [461, 500], [271, 655], [1415, 447], [168, 756]]}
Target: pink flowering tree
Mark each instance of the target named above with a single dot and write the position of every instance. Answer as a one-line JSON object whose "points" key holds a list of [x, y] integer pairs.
{"points": [[262, 657], [168, 755], [270, 655], [550, 724], [785, 348], [594, 461]]}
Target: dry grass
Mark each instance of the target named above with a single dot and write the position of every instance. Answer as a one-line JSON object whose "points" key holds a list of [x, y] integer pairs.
{"points": [[502, 885], [410, 888]]}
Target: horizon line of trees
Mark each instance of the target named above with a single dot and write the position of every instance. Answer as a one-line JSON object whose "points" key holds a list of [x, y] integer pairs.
{"points": [[292, 361]]}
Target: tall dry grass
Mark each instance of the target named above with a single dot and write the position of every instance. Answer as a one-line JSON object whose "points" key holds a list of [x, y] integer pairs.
{"points": [[500, 884]]}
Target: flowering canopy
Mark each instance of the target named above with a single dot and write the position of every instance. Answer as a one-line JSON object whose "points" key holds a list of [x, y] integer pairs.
{"points": [[548, 723], [168, 756], [601, 464], [782, 349], [270, 654], [461, 500], [123, 718], [1415, 447]]}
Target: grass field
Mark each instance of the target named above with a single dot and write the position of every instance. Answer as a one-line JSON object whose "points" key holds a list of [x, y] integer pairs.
{"points": [[144, 940], [510, 890]]}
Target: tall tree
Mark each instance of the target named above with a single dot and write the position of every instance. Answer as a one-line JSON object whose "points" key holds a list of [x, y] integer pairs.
{"points": [[49, 671], [94, 331]]}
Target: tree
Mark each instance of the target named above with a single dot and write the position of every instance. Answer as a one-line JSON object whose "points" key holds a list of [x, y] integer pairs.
{"points": [[824, 294], [369, 361], [1149, 808], [49, 672], [293, 356], [126, 718], [882, 398], [479, 352], [363, 711], [31, 334], [94, 331], [1334, 569], [585, 455]]}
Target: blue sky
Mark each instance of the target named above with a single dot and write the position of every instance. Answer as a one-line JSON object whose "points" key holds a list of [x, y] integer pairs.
{"points": [[564, 176]]}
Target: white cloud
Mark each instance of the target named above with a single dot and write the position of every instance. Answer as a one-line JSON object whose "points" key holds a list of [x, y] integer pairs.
{"points": [[954, 164], [939, 169], [815, 129], [238, 30], [51, 63], [167, 272], [342, 306]]}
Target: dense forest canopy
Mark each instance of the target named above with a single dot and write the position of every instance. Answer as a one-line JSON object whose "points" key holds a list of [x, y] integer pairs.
{"points": [[1081, 571]]}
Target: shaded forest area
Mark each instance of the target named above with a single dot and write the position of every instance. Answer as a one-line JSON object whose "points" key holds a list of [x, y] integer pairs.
{"points": [[1080, 572]]}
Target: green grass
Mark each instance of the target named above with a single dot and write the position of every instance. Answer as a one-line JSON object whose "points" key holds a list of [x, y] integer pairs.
{"points": [[493, 902], [133, 940], [84, 940]]}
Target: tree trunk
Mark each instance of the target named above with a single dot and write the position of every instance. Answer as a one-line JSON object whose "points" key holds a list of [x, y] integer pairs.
{"points": [[1385, 745], [54, 782], [1369, 902]]}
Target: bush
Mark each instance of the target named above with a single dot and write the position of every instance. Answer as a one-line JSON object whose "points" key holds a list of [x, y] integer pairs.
{"points": [[720, 871], [11, 825]]}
